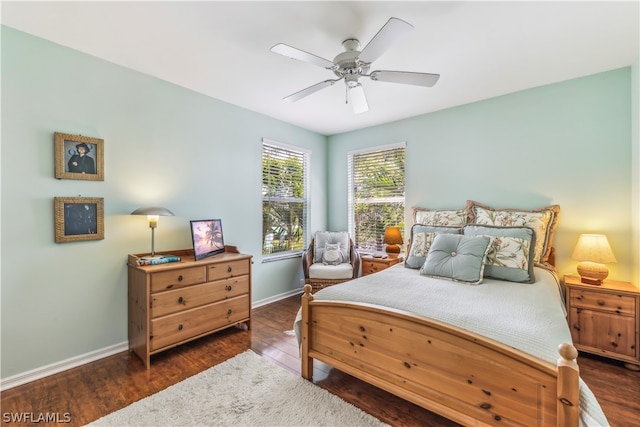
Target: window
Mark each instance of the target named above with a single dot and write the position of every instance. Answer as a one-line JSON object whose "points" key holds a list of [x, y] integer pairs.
{"points": [[284, 199], [376, 194]]}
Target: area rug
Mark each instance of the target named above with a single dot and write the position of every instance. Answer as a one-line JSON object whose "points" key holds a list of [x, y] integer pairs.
{"points": [[246, 390]]}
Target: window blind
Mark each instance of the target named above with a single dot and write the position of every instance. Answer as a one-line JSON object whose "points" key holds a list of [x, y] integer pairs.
{"points": [[376, 194], [284, 199]]}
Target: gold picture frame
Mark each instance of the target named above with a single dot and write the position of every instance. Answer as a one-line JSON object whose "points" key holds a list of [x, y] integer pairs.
{"points": [[71, 163], [78, 218]]}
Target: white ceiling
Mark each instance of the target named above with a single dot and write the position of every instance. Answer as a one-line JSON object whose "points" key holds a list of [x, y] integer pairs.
{"points": [[221, 49]]}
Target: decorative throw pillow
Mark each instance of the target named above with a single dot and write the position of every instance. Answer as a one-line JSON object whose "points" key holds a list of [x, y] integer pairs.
{"points": [[321, 238], [457, 258], [421, 240], [444, 217], [511, 254], [332, 255], [543, 221]]}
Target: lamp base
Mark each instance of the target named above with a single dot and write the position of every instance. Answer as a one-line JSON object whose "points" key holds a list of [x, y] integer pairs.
{"points": [[592, 273], [393, 251]]}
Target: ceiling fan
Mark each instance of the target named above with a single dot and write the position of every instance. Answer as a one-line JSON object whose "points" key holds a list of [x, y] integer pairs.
{"points": [[354, 63]]}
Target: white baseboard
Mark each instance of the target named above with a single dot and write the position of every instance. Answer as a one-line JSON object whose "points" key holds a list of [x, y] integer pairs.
{"points": [[73, 362], [276, 298], [63, 365]]}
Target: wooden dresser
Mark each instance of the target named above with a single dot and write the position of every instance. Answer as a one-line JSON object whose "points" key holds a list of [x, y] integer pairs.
{"points": [[170, 304], [605, 319]]}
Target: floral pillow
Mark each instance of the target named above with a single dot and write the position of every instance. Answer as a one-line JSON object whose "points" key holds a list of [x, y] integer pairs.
{"points": [[444, 217], [542, 221], [511, 254]]}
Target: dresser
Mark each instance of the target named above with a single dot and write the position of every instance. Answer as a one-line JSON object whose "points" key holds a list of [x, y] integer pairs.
{"points": [[171, 304], [372, 265], [605, 319]]}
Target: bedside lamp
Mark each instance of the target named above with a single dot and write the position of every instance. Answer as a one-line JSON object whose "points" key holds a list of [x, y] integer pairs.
{"points": [[594, 252], [152, 213], [393, 238]]}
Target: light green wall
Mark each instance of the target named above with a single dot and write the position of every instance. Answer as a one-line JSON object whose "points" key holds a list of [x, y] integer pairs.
{"points": [[164, 145], [568, 143]]}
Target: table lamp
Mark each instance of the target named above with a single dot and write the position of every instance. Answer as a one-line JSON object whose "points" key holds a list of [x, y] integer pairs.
{"points": [[152, 213], [393, 238], [593, 252]]}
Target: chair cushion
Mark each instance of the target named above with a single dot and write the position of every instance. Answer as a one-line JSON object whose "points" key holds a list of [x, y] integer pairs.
{"points": [[321, 238], [340, 271]]}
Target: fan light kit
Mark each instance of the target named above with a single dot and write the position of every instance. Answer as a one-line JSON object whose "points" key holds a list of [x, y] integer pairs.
{"points": [[353, 63]]}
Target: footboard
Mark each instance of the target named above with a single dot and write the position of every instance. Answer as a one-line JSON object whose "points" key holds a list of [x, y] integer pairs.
{"points": [[460, 375]]}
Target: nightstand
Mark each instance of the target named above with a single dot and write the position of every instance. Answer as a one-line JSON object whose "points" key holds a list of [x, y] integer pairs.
{"points": [[372, 265], [605, 319]]}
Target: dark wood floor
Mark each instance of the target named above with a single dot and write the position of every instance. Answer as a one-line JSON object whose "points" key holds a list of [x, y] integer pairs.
{"points": [[86, 393]]}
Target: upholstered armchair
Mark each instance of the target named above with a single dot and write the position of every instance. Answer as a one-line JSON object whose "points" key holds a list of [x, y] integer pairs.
{"points": [[323, 267]]}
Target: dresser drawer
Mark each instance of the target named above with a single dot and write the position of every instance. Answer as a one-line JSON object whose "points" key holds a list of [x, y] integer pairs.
{"points": [[178, 327], [163, 303], [608, 302], [225, 270], [173, 279], [603, 332]]}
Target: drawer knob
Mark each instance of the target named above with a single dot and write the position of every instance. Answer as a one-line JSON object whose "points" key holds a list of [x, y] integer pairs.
{"points": [[180, 300], [229, 269], [576, 327], [229, 312], [180, 327], [601, 302], [228, 288], [180, 278]]}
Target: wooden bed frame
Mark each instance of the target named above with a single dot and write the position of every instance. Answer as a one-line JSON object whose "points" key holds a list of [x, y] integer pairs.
{"points": [[460, 375]]}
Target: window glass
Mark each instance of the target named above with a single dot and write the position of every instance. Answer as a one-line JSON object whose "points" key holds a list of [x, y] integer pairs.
{"points": [[284, 199], [376, 194]]}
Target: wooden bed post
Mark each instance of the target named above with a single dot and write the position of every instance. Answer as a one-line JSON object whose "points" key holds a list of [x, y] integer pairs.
{"points": [[568, 387], [307, 362]]}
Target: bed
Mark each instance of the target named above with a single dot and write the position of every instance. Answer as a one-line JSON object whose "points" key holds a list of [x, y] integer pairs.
{"points": [[487, 350]]}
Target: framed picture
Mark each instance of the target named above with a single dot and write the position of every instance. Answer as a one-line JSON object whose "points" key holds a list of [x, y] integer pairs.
{"points": [[79, 218], [79, 157]]}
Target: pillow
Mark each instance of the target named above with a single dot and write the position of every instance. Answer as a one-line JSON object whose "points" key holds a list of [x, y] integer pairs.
{"points": [[332, 255], [421, 239], [543, 221], [445, 217], [457, 258], [511, 254], [321, 238]]}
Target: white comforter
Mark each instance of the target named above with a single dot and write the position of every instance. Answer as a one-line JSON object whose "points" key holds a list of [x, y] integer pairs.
{"points": [[529, 317]]}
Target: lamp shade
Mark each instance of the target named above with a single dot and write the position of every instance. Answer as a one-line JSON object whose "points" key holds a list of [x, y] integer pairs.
{"points": [[392, 236], [152, 210], [594, 248], [593, 251]]}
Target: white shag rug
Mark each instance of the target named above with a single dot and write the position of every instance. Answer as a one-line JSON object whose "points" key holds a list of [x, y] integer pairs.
{"points": [[246, 390]]}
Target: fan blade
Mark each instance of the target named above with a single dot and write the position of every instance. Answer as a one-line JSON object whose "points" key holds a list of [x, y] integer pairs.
{"points": [[405, 77], [301, 55], [388, 35], [358, 99], [311, 89]]}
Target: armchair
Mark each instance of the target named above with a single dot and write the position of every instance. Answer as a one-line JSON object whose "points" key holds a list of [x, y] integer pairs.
{"points": [[320, 270]]}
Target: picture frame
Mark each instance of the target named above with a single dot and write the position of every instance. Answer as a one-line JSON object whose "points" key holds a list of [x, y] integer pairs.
{"points": [[78, 219], [207, 237], [71, 163]]}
